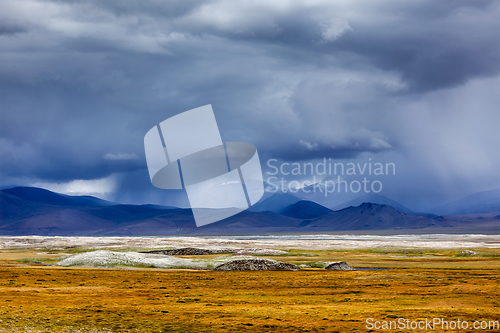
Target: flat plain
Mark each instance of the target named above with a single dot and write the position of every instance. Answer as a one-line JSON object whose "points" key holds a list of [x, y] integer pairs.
{"points": [[410, 283]]}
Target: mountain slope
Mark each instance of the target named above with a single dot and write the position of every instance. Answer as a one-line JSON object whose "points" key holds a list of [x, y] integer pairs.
{"points": [[64, 222], [15, 208], [305, 210], [376, 199], [317, 193], [477, 203], [370, 216], [42, 196], [276, 203]]}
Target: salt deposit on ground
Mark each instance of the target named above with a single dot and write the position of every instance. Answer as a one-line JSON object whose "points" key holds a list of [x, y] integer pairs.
{"points": [[105, 258], [311, 242]]}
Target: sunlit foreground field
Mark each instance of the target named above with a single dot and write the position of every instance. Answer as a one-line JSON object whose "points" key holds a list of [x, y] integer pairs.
{"points": [[414, 284]]}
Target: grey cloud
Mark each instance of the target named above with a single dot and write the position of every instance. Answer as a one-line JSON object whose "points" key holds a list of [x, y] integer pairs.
{"points": [[11, 29], [157, 8], [433, 46], [88, 81]]}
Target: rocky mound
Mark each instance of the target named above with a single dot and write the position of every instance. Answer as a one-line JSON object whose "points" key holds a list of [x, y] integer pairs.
{"points": [[467, 253], [188, 251], [339, 266], [192, 251], [255, 264]]}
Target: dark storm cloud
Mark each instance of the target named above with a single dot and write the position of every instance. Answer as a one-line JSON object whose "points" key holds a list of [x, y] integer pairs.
{"points": [[83, 81], [433, 45], [435, 51], [7, 28], [432, 50], [156, 8]]}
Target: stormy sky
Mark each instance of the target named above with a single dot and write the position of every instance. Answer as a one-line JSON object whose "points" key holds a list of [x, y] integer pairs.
{"points": [[415, 83]]}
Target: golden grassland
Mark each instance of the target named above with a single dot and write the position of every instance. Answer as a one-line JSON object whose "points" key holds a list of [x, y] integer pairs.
{"points": [[417, 284]]}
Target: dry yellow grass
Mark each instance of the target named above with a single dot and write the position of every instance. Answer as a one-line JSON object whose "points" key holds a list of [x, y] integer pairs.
{"points": [[418, 285]]}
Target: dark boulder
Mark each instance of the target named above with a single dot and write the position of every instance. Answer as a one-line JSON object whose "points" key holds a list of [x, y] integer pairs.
{"points": [[339, 266], [186, 251], [256, 264]]}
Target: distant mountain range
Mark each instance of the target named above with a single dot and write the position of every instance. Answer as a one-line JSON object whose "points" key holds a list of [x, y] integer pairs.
{"points": [[35, 211], [336, 201], [477, 203], [374, 198]]}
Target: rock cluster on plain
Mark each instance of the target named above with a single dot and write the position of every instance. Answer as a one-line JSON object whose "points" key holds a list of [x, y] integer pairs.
{"points": [[187, 251], [339, 266], [255, 264], [467, 253]]}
